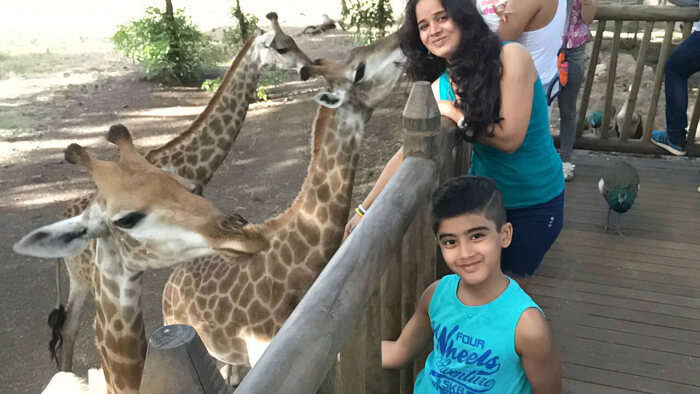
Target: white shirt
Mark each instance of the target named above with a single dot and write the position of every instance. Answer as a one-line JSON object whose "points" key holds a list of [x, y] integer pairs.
{"points": [[543, 44]]}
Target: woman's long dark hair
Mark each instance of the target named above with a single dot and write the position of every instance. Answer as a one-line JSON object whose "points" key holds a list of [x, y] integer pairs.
{"points": [[475, 68]]}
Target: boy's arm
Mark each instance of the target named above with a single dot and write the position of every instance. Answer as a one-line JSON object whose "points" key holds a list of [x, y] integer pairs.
{"points": [[540, 359], [415, 336]]}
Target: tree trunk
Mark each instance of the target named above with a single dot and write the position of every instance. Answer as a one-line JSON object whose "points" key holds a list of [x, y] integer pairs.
{"points": [[169, 10], [242, 23]]}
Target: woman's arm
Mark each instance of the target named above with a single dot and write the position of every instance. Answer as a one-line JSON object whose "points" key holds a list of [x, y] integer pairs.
{"points": [[520, 13], [415, 336], [519, 76], [539, 357], [588, 10]]}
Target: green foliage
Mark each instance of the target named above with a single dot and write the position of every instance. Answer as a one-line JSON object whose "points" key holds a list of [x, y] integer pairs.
{"points": [[235, 37], [269, 79], [211, 85], [371, 18], [170, 49]]}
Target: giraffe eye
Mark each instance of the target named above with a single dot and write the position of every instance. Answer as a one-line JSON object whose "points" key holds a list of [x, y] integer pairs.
{"points": [[360, 73], [282, 51], [130, 220]]}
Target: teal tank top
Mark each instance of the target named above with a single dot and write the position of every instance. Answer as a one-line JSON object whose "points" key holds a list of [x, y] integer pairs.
{"points": [[474, 346], [531, 175]]}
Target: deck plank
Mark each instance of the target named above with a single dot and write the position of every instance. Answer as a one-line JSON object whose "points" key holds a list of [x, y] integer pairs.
{"points": [[625, 310]]}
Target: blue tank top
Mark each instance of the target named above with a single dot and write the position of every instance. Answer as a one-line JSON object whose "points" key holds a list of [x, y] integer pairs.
{"points": [[474, 346], [532, 174]]}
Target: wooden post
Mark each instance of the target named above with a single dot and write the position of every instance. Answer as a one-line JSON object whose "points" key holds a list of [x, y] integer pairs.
{"points": [[589, 78], [636, 81], [178, 363], [610, 89], [658, 81]]}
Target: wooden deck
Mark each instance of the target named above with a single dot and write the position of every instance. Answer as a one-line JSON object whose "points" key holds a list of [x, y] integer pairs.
{"points": [[625, 310]]}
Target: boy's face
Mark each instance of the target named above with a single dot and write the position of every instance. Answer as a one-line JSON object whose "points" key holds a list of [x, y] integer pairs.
{"points": [[471, 245]]}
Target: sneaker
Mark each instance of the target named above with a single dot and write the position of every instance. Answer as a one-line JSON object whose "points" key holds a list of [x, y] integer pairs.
{"points": [[660, 139], [568, 170]]}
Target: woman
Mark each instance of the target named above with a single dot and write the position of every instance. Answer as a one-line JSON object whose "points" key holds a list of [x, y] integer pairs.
{"points": [[482, 84], [575, 38]]}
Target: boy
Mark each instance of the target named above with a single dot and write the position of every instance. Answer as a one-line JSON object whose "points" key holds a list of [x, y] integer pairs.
{"points": [[488, 335]]}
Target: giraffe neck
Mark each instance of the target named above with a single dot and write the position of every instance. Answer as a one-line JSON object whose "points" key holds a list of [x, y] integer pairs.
{"points": [[119, 327], [199, 151], [312, 228]]}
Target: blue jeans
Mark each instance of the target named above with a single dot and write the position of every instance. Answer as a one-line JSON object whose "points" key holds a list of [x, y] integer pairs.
{"points": [[576, 58], [535, 229], [683, 62]]}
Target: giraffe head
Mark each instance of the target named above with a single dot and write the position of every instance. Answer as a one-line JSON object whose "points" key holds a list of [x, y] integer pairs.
{"points": [[143, 212], [364, 78], [277, 49]]}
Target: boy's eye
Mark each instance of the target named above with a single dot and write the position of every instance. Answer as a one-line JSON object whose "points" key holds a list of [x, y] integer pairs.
{"points": [[477, 236], [446, 243]]}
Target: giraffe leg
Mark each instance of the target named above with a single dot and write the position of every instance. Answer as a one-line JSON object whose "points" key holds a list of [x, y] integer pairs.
{"points": [[78, 292]]}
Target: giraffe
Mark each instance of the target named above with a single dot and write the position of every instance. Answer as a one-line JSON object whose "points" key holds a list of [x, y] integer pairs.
{"points": [[237, 304], [141, 218], [194, 155]]}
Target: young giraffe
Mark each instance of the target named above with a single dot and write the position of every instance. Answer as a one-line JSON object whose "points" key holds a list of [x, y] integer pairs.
{"points": [[141, 218], [194, 155], [238, 304]]}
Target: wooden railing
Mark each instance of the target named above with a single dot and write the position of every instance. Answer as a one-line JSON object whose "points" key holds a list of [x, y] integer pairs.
{"points": [[369, 289], [650, 15]]}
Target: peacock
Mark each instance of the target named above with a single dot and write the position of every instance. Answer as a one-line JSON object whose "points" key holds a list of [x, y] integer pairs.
{"points": [[618, 186]]}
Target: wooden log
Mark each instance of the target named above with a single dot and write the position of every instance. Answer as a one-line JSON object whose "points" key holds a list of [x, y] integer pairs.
{"points": [[300, 354], [615, 145], [178, 363], [636, 81], [646, 13], [658, 80], [610, 88], [588, 86]]}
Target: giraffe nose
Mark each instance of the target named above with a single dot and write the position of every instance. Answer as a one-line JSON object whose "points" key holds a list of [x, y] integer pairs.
{"points": [[304, 73]]}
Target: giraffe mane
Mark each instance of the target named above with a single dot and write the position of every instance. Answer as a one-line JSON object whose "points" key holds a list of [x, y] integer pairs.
{"points": [[325, 117], [210, 107]]}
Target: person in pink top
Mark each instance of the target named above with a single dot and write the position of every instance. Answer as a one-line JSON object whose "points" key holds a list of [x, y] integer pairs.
{"points": [[575, 38]]}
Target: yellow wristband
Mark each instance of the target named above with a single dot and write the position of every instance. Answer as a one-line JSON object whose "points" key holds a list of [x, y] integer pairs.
{"points": [[359, 213]]}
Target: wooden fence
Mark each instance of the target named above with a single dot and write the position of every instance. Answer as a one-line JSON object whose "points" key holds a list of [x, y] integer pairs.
{"points": [[649, 16]]}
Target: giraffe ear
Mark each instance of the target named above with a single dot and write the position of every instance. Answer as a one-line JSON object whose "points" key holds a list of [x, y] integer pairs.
{"points": [[330, 99]]}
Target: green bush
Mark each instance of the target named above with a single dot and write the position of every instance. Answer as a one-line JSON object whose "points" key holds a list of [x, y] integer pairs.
{"points": [[171, 50], [234, 37], [371, 18]]}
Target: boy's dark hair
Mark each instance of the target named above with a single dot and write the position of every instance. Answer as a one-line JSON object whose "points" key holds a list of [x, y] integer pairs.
{"points": [[468, 194]]}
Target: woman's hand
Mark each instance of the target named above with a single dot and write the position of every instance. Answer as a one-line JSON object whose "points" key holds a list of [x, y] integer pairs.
{"points": [[352, 223], [449, 109]]}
